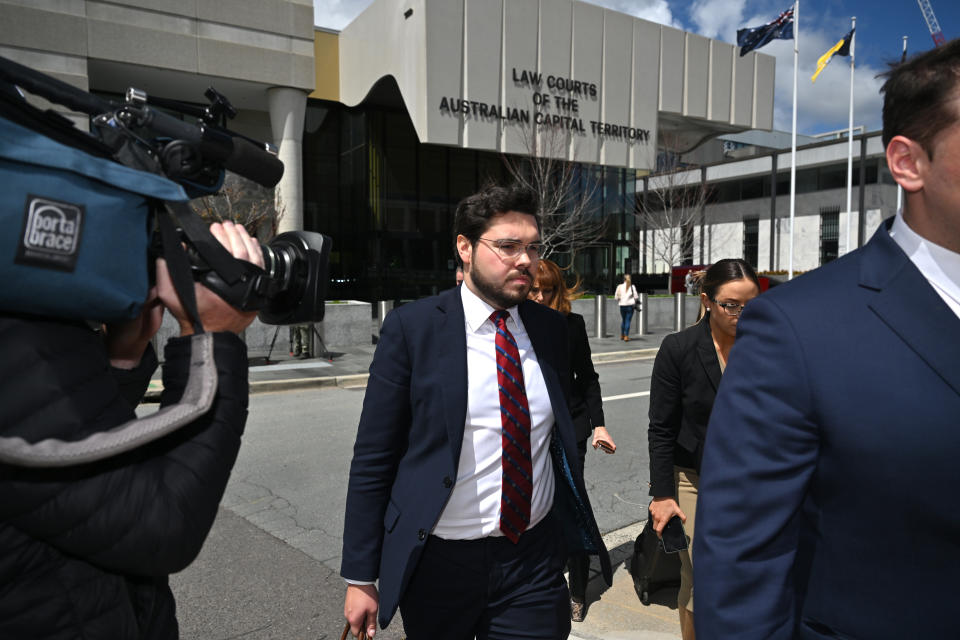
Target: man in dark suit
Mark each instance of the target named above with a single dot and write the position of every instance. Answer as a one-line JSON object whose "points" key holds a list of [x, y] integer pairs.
{"points": [[463, 499], [828, 501]]}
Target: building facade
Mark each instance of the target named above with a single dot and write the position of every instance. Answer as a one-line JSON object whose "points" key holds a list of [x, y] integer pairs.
{"points": [[746, 212], [418, 105], [385, 126], [259, 53]]}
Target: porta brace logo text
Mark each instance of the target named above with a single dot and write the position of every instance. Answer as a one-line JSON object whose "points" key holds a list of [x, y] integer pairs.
{"points": [[52, 227]]}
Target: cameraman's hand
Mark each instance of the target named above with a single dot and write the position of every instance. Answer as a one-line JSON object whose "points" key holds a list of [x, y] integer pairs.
{"points": [[126, 341], [215, 313]]}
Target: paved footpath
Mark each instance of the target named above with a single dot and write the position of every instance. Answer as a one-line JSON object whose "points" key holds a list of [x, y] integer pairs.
{"points": [[348, 366], [306, 602]]}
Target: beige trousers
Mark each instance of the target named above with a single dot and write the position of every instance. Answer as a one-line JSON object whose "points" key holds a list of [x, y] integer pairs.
{"points": [[688, 483]]}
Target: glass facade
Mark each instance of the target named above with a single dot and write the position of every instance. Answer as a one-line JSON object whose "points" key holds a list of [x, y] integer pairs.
{"points": [[388, 203], [808, 181]]}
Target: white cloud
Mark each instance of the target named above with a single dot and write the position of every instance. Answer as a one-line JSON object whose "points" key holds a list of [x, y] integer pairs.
{"points": [[824, 105], [718, 19], [336, 14], [653, 10]]}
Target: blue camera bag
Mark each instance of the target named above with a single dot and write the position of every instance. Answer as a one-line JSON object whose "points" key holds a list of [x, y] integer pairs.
{"points": [[74, 229]]}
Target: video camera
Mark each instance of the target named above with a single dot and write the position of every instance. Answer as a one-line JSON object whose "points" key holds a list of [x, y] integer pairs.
{"points": [[96, 210]]}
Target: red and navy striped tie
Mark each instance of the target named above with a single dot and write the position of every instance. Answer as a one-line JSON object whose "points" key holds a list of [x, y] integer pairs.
{"points": [[517, 485]]}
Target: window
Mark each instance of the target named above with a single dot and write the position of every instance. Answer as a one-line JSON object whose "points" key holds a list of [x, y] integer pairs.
{"points": [[751, 241], [728, 191], [829, 234], [834, 177], [751, 188], [806, 181]]}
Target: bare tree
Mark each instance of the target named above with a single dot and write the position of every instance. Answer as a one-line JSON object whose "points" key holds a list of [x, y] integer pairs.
{"points": [[670, 208], [570, 216], [243, 202]]}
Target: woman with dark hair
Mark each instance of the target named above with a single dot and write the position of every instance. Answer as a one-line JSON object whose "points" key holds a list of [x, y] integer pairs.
{"points": [[586, 407], [683, 386]]}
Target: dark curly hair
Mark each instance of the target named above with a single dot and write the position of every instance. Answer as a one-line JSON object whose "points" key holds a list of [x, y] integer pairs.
{"points": [[475, 212]]}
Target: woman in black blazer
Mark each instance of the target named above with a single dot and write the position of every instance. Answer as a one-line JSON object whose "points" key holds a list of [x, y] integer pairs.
{"points": [[585, 404], [686, 374]]}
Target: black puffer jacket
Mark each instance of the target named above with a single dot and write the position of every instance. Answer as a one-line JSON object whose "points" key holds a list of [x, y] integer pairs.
{"points": [[85, 551]]}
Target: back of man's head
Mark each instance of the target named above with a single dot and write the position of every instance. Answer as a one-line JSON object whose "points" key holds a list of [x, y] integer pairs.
{"points": [[919, 96], [476, 212]]}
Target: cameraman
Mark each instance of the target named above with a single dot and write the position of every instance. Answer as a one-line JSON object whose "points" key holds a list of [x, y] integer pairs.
{"points": [[86, 551]]}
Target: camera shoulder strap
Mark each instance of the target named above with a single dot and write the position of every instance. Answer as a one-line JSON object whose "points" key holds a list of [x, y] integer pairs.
{"points": [[197, 399], [178, 265]]}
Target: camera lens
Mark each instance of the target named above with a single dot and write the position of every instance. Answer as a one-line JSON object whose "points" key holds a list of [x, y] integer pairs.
{"points": [[296, 263]]}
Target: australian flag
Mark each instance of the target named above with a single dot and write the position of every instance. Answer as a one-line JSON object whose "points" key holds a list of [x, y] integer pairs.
{"points": [[755, 37]]}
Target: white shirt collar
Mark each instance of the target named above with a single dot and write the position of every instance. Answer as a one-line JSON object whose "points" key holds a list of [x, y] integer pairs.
{"points": [[937, 264], [477, 312]]}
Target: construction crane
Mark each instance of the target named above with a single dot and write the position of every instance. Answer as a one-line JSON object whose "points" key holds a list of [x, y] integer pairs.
{"points": [[932, 23]]}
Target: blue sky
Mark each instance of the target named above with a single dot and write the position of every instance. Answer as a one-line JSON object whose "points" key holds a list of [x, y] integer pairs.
{"points": [[823, 106]]}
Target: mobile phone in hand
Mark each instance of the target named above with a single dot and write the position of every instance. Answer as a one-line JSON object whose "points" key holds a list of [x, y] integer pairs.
{"points": [[674, 538], [605, 446]]}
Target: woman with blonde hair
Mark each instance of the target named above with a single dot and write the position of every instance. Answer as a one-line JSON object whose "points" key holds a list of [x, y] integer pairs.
{"points": [[550, 289]]}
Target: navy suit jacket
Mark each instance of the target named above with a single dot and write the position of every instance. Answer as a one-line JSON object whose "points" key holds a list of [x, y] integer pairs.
{"points": [[411, 429], [829, 503]]}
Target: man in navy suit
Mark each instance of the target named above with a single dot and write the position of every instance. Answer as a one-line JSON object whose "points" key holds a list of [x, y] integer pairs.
{"points": [[436, 513], [829, 503]]}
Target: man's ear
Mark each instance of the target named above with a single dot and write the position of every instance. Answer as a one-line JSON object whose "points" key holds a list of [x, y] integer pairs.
{"points": [[465, 251], [907, 161]]}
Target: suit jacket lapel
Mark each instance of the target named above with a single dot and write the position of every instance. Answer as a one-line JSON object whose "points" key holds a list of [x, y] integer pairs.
{"points": [[707, 352], [450, 365], [909, 305]]}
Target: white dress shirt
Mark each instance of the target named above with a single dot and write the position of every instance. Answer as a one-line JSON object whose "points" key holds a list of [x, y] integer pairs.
{"points": [[940, 266], [473, 510]]}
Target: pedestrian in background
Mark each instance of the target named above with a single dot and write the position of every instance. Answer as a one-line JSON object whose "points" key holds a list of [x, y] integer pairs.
{"points": [[686, 374], [586, 406], [300, 341], [627, 297]]}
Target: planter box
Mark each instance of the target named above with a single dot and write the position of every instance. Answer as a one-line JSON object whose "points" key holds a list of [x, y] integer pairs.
{"points": [[659, 315], [345, 324]]}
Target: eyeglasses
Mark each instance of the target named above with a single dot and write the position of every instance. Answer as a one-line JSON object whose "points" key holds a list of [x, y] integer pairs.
{"points": [[730, 308], [512, 249]]}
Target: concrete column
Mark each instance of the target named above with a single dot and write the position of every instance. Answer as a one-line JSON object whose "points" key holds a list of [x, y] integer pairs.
{"points": [[287, 109], [642, 316], [600, 315], [383, 308], [679, 311]]}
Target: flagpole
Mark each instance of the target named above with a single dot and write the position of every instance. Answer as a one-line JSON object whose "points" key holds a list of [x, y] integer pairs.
{"points": [[793, 143], [903, 57], [853, 40]]}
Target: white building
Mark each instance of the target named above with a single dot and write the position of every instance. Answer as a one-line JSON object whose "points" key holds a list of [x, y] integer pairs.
{"points": [[743, 217]]}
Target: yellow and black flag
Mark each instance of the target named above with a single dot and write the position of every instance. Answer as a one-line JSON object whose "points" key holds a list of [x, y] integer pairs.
{"points": [[842, 48]]}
